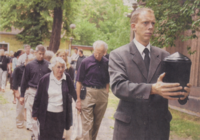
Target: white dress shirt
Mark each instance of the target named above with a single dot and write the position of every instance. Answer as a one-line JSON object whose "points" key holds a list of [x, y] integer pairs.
{"points": [[141, 48], [74, 57], [22, 58], [55, 101]]}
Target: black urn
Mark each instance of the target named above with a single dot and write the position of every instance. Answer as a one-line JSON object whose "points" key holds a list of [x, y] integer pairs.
{"points": [[177, 69]]}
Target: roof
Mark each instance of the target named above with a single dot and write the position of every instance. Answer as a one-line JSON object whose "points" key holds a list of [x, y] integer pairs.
{"points": [[84, 47], [12, 32]]}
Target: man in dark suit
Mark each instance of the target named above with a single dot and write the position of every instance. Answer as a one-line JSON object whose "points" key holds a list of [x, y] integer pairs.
{"points": [[136, 77]]}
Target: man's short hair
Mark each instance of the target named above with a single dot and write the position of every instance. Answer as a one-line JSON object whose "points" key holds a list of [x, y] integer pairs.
{"points": [[98, 43], [76, 49], [26, 45], [40, 48], [81, 51], [135, 15]]}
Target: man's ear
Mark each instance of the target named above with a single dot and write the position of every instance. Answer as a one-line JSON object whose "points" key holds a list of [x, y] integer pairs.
{"points": [[133, 27]]}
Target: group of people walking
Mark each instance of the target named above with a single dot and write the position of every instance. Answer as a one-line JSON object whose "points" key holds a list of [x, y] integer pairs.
{"points": [[47, 88], [43, 85]]}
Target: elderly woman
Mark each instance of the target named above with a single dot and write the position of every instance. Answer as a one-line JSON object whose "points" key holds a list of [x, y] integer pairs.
{"points": [[51, 104], [63, 54], [69, 69]]}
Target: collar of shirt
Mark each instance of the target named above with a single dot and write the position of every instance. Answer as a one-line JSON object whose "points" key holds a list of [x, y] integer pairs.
{"points": [[97, 60], [141, 47], [40, 62], [52, 77]]}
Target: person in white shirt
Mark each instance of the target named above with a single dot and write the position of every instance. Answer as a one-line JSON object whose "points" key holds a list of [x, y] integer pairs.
{"points": [[24, 56], [74, 58]]}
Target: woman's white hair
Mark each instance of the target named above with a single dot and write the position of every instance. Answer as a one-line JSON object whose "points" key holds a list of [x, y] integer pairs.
{"points": [[55, 60], [99, 43]]}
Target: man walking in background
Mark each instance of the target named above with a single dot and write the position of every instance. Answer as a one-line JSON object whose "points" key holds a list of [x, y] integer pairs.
{"points": [[93, 74], [16, 81], [74, 58], [34, 70], [78, 63], [136, 77], [23, 57], [4, 62], [80, 59]]}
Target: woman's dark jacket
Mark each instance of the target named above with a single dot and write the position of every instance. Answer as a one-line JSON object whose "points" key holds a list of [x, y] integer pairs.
{"points": [[41, 100]]}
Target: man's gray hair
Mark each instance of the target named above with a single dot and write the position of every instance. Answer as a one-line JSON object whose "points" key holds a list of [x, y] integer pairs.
{"points": [[32, 51], [26, 45], [55, 60], [49, 54], [99, 43], [40, 48]]}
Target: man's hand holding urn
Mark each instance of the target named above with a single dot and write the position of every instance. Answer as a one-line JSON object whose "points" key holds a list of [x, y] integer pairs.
{"points": [[169, 89]]}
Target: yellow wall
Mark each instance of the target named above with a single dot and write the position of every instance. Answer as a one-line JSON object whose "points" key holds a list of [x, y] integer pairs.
{"points": [[14, 44]]}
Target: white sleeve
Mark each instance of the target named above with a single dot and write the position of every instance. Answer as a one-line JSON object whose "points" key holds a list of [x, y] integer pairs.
{"points": [[19, 61]]}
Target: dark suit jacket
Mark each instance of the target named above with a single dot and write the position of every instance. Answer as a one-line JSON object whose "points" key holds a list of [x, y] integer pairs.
{"points": [[41, 100], [139, 116]]}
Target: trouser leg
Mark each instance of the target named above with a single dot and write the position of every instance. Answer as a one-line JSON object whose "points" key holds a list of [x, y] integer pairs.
{"points": [[19, 114], [28, 119], [87, 117], [99, 111], [29, 104], [4, 77]]}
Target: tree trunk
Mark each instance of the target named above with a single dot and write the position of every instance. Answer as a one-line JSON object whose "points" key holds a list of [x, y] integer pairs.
{"points": [[56, 29]]}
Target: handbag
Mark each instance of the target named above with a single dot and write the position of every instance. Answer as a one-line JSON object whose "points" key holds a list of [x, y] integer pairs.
{"points": [[83, 92], [77, 126]]}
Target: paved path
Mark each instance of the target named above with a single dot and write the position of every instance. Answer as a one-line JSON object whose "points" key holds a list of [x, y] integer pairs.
{"points": [[8, 130]]}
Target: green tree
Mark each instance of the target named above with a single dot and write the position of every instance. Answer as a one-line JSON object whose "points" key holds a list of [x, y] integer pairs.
{"points": [[86, 32], [112, 26], [173, 17], [38, 19], [24, 15]]}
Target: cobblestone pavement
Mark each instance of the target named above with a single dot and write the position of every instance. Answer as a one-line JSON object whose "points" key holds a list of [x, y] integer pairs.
{"points": [[9, 131]]}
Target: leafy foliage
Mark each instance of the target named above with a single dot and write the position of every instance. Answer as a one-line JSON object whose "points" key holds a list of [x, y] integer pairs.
{"points": [[99, 20], [112, 26], [173, 18], [25, 15], [35, 17]]}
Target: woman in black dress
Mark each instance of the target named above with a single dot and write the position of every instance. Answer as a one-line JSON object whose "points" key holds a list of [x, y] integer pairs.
{"points": [[51, 104]]}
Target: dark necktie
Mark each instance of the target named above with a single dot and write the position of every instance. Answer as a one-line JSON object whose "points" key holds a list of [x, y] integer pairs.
{"points": [[146, 59]]}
